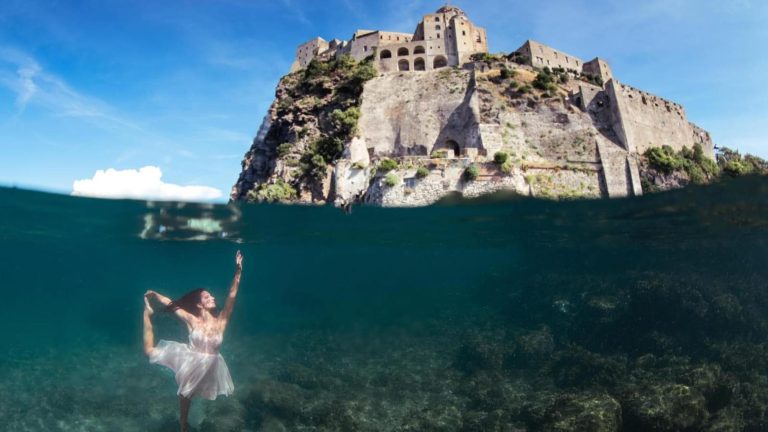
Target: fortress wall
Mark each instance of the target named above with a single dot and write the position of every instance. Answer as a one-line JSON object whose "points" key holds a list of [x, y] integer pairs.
{"points": [[363, 46], [587, 94], [307, 51], [598, 67], [542, 56], [643, 120]]}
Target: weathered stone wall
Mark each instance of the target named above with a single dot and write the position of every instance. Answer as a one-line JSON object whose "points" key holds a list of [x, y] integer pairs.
{"points": [[598, 67], [412, 114], [541, 56], [308, 51], [644, 120]]}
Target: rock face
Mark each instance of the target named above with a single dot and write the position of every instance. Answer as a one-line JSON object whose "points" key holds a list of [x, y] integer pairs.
{"points": [[472, 130]]}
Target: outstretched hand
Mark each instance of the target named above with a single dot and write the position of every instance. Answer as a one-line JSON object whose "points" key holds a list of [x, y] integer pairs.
{"points": [[239, 261], [147, 308]]}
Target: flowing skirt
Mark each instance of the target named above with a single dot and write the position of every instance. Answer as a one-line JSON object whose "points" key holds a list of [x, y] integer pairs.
{"points": [[197, 374]]}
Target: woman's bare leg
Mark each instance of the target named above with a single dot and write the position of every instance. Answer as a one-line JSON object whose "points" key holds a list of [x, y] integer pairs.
{"points": [[184, 412], [149, 334]]}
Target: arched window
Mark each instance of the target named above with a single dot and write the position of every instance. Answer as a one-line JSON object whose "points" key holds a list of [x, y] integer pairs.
{"points": [[437, 19], [402, 52], [385, 54], [439, 62], [419, 65], [403, 65], [418, 50], [437, 27]]}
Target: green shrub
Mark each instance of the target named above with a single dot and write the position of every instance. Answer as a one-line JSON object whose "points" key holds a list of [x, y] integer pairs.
{"points": [[664, 159], [422, 172], [283, 149], [439, 154], [346, 121], [391, 179], [312, 164], [328, 147], [471, 173], [388, 165], [500, 157], [506, 73], [280, 191], [358, 165], [506, 167]]}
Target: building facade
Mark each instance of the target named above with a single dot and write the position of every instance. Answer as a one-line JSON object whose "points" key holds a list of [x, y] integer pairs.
{"points": [[444, 38]]}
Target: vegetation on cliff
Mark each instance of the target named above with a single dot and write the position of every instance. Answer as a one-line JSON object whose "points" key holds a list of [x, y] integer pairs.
{"points": [[663, 168], [316, 114]]}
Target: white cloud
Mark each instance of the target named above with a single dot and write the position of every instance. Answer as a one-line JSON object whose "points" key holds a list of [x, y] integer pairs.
{"points": [[144, 183]]}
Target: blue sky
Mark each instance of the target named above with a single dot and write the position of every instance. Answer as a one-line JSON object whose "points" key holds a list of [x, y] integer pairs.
{"points": [[183, 85]]}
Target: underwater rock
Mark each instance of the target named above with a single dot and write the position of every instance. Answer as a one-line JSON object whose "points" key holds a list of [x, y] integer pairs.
{"points": [[577, 367], [573, 412], [532, 348], [336, 415], [437, 419], [480, 354], [664, 407], [268, 398], [224, 415]]}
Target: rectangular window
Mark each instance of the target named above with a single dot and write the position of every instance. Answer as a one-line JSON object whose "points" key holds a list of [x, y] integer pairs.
{"points": [[365, 48]]}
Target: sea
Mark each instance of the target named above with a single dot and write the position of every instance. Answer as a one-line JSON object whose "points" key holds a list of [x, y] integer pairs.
{"points": [[503, 313]]}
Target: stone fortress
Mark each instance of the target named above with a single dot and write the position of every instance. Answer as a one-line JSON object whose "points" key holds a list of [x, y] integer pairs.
{"points": [[444, 38], [400, 119]]}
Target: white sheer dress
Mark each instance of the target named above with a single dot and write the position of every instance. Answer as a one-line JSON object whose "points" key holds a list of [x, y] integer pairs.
{"points": [[200, 369]]}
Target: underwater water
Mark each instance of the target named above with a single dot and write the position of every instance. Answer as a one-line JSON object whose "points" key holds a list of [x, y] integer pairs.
{"points": [[503, 314]]}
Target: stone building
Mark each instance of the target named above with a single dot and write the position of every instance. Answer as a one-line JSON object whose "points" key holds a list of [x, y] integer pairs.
{"points": [[444, 38], [623, 121]]}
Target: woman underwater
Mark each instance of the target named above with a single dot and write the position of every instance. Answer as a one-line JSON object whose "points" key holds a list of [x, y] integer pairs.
{"points": [[200, 369]]}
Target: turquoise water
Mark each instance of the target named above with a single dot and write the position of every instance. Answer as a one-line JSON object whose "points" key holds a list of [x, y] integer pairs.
{"points": [[500, 314]]}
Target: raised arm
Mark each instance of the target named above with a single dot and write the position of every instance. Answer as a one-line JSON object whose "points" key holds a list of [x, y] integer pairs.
{"points": [[165, 301], [230, 304]]}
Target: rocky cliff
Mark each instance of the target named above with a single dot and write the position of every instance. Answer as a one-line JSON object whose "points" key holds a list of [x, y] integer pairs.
{"points": [[342, 132]]}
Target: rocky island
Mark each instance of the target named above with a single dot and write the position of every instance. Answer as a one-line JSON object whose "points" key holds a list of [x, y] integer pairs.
{"points": [[401, 119]]}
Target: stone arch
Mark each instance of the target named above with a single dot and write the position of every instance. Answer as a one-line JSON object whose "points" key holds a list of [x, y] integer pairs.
{"points": [[402, 52], [385, 54], [419, 50], [419, 64], [453, 146], [439, 62], [403, 65]]}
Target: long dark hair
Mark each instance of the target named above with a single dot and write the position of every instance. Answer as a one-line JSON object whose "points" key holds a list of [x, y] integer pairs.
{"points": [[187, 302]]}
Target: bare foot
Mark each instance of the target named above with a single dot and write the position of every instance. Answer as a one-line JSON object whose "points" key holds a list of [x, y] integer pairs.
{"points": [[148, 311]]}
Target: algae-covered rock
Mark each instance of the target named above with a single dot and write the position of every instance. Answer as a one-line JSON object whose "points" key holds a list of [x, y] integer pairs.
{"points": [[480, 354], [532, 348], [269, 398], [577, 367], [594, 412], [664, 407]]}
